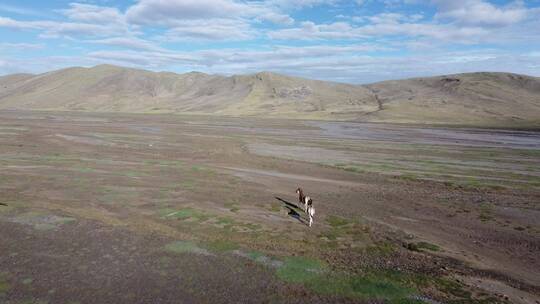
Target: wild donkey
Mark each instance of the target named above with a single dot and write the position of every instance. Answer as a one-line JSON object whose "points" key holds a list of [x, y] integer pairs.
{"points": [[307, 203]]}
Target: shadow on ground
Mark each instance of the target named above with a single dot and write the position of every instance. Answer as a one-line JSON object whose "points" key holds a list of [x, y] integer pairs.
{"points": [[292, 210]]}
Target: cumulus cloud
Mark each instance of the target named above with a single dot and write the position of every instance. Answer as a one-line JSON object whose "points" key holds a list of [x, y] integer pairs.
{"points": [[129, 43], [342, 63], [211, 30], [20, 46], [298, 4], [479, 12], [310, 31], [172, 11], [92, 13], [11, 23], [393, 25], [276, 18], [19, 10], [353, 46], [56, 29]]}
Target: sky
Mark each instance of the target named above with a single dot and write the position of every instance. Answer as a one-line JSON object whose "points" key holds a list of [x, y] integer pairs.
{"points": [[358, 41]]}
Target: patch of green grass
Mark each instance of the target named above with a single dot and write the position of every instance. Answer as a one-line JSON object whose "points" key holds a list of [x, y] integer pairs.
{"points": [[185, 247], [202, 169], [332, 234], [222, 246], [255, 255], [226, 221], [485, 212], [132, 173], [167, 163], [117, 195], [300, 269], [251, 226], [233, 206], [337, 221], [381, 249], [529, 152], [366, 287], [409, 177], [427, 246], [4, 285], [342, 227], [85, 170], [316, 276], [274, 207], [187, 213], [484, 217], [453, 288], [187, 185], [165, 211], [350, 168]]}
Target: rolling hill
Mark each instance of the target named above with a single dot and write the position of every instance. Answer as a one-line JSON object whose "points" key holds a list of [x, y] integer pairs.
{"points": [[480, 99]]}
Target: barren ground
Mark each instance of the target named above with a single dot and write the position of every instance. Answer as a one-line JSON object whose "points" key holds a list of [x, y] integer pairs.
{"points": [[118, 208]]}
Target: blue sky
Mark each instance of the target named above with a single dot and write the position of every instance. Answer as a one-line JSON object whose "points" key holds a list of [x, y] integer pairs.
{"points": [[358, 41]]}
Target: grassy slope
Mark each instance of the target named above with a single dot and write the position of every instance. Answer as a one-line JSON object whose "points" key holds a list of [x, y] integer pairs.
{"points": [[476, 99]]}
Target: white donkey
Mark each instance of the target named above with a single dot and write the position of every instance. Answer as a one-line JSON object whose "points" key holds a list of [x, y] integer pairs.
{"points": [[307, 203]]}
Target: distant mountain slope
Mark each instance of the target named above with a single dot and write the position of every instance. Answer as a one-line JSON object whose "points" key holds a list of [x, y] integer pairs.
{"points": [[473, 99]]}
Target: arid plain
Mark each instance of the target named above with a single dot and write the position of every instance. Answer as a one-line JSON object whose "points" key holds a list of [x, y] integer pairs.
{"points": [[160, 208]]}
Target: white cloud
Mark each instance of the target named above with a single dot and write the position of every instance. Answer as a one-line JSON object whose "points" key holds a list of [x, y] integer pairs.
{"points": [[173, 11], [344, 63], [11, 23], [387, 18], [54, 29], [139, 35], [348, 63], [214, 29], [6, 46], [231, 60], [129, 43], [480, 12], [277, 18], [311, 31], [92, 13], [19, 10], [298, 4], [387, 25]]}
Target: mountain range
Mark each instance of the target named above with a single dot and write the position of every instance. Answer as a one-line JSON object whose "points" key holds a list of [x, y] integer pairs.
{"points": [[474, 99]]}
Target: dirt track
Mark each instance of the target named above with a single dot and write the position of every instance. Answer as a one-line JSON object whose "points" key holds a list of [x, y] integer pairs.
{"points": [[97, 203]]}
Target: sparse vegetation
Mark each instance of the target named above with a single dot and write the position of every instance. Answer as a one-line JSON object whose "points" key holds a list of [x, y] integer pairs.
{"points": [[4, 286], [205, 208], [222, 246], [185, 247]]}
